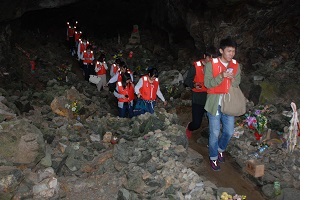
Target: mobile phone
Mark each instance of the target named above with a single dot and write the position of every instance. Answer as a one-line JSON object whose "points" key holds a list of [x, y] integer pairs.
{"points": [[229, 70]]}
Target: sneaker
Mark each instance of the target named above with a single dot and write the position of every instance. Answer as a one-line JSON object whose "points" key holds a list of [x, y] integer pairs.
{"points": [[221, 158], [188, 132], [214, 165]]}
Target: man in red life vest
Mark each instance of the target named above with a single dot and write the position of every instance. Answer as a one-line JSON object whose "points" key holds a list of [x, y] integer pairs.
{"points": [[147, 89], [124, 91], [218, 80], [195, 80], [82, 46], [77, 36], [70, 36], [101, 68], [115, 67], [87, 58]]}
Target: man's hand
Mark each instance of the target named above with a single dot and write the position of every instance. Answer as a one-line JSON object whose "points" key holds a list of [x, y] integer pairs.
{"points": [[227, 75]]}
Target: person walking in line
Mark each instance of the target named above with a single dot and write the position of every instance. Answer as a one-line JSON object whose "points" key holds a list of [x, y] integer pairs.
{"points": [[124, 91], [101, 69], [117, 77], [218, 79], [82, 46], [122, 69], [87, 58], [195, 80], [147, 89], [115, 67], [77, 37], [70, 36]]}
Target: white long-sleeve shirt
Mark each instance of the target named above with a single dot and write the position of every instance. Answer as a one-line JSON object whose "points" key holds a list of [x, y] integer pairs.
{"points": [[115, 78]]}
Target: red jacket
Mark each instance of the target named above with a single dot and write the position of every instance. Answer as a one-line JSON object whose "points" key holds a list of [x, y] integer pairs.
{"points": [[129, 90], [199, 77], [217, 68], [149, 90]]}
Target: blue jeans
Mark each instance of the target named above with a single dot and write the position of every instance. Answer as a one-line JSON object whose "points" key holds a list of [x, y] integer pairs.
{"points": [[126, 110], [150, 106], [217, 142]]}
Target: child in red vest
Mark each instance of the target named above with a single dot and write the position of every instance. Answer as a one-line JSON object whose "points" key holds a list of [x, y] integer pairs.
{"points": [[101, 69], [125, 93]]}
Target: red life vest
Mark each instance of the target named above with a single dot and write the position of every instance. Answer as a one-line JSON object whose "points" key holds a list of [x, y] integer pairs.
{"points": [[199, 77], [115, 68], [71, 30], [217, 68], [119, 75], [149, 90], [83, 46], [119, 78], [101, 67], [87, 56], [77, 35], [129, 90]]}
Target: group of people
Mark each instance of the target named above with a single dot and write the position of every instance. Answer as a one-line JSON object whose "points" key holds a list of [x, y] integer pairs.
{"points": [[209, 79], [81, 48], [134, 100], [130, 97]]}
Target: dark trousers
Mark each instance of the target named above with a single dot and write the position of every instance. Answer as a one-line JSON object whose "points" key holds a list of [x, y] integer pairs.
{"points": [[198, 113], [71, 44], [148, 106], [86, 68], [126, 111]]}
